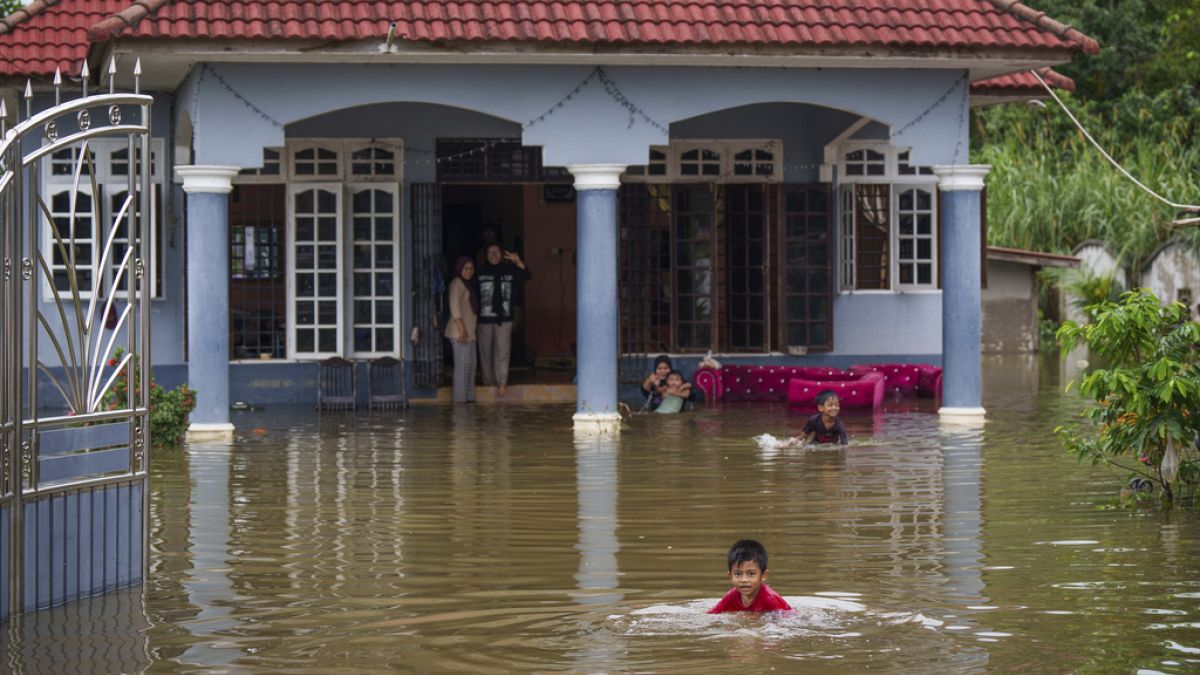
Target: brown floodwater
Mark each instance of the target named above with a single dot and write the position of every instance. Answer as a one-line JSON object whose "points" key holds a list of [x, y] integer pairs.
{"points": [[493, 539]]}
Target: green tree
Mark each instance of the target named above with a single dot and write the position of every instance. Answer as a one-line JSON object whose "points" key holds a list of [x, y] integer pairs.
{"points": [[1146, 403], [9, 6]]}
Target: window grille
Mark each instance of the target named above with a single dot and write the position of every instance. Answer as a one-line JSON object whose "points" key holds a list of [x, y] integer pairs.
{"points": [[915, 237], [257, 288], [865, 162], [872, 237]]}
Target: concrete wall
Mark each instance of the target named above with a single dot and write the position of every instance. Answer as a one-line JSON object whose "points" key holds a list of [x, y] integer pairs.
{"points": [[1009, 309], [1174, 274]]}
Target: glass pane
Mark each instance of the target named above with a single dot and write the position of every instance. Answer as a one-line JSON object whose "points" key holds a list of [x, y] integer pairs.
{"points": [[362, 228], [383, 201], [362, 338], [924, 223], [384, 339], [326, 202], [305, 313], [924, 200], [327, 229], [362, 256], [305, 285], [924, 249], [384, 256], [327, 284], [328, 339], [925, 273], [362, 201], [362, 283], [327, 257], [383, 283], [304, 340], [906, 224], [906, 249], [304, 229], [906, 200], [304, 201], [305, 257], [384, 311], [906, 274], [362, 311]]}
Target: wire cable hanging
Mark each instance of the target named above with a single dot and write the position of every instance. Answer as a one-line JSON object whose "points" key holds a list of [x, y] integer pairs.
{"points": [[1152, 193]]}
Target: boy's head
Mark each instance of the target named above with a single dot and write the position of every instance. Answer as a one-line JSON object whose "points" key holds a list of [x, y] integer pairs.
{"points": [[747, 567], [674, 378], [828, 403]]}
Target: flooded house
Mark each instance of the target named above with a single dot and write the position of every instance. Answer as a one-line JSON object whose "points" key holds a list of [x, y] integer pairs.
{"points": [[782, 182]]}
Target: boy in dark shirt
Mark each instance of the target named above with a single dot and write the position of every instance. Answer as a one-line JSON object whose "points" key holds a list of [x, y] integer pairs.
{"points": [[825, 427], [747, 561]]}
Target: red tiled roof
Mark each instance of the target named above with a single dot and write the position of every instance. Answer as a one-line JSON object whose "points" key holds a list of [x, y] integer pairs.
{"points": [[1022, 83], [55, 32]]}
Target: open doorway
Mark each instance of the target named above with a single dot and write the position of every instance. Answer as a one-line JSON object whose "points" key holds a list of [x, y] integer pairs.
{"points": [[538, 222]]}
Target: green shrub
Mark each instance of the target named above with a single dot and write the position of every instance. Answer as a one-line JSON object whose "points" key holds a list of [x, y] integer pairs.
{"points": [[169, 408], [1146, 411]]}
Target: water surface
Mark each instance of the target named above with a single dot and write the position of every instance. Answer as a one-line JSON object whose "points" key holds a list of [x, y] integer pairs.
{"points": [[492, 539]]}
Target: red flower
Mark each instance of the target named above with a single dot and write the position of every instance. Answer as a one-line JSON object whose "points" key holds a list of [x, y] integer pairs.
{"points": [[112, 362]]}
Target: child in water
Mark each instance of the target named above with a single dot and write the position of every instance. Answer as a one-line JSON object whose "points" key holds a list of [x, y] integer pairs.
{"points": [[825, 427], [747, 561], [674, 394]]}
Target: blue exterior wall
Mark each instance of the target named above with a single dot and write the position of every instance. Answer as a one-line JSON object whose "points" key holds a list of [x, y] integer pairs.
{"points": [[591, 128]]}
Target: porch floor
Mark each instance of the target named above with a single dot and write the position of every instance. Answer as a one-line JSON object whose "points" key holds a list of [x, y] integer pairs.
{"points": [[517, 393]]}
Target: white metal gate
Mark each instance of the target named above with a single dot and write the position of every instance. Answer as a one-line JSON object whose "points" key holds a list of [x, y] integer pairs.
{"points": [[74, 288]]}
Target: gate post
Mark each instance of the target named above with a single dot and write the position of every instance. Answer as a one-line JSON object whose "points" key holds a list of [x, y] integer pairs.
{"points": [[207, 188]]}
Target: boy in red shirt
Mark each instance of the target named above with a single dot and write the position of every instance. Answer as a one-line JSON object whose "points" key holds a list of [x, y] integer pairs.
{"points": [[748, 571]]}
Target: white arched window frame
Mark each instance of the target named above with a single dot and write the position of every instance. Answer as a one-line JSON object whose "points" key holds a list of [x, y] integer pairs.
{"points": [[110, 160], [910, 249], [711, 161]]}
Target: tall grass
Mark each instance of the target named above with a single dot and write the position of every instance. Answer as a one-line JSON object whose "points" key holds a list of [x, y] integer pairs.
{"points": [[1050, 190]]}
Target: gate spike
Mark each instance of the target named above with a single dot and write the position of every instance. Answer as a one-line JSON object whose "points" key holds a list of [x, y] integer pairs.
{"points": [[28, 98], [84, 75], [3, 118], [57, 85], [112, 74], [137, 76]]}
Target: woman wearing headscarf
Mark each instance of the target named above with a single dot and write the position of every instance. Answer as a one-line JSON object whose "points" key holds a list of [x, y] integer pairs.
{"points": [[464, 308], [655, 384]]}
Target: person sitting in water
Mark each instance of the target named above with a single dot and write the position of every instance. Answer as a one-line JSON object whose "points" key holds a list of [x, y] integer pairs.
{"points": [[825, 427], [747, 560], [655, 384], [674, 394]]}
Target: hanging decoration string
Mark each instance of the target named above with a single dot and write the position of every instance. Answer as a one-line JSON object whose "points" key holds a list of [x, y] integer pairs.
{"points": [[613, 91], [1152, 193]]}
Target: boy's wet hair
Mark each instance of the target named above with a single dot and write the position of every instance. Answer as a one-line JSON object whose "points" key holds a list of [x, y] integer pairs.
{"points": [[745, 551], [824, 395], [679, 373]]}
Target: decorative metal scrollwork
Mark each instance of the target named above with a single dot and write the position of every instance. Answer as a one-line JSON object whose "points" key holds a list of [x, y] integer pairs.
{"points": [[85, 119], [26, 268], [139, 268], [7, 268], [51, 131], [26, 461], [114, 114], [139, 446]]}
